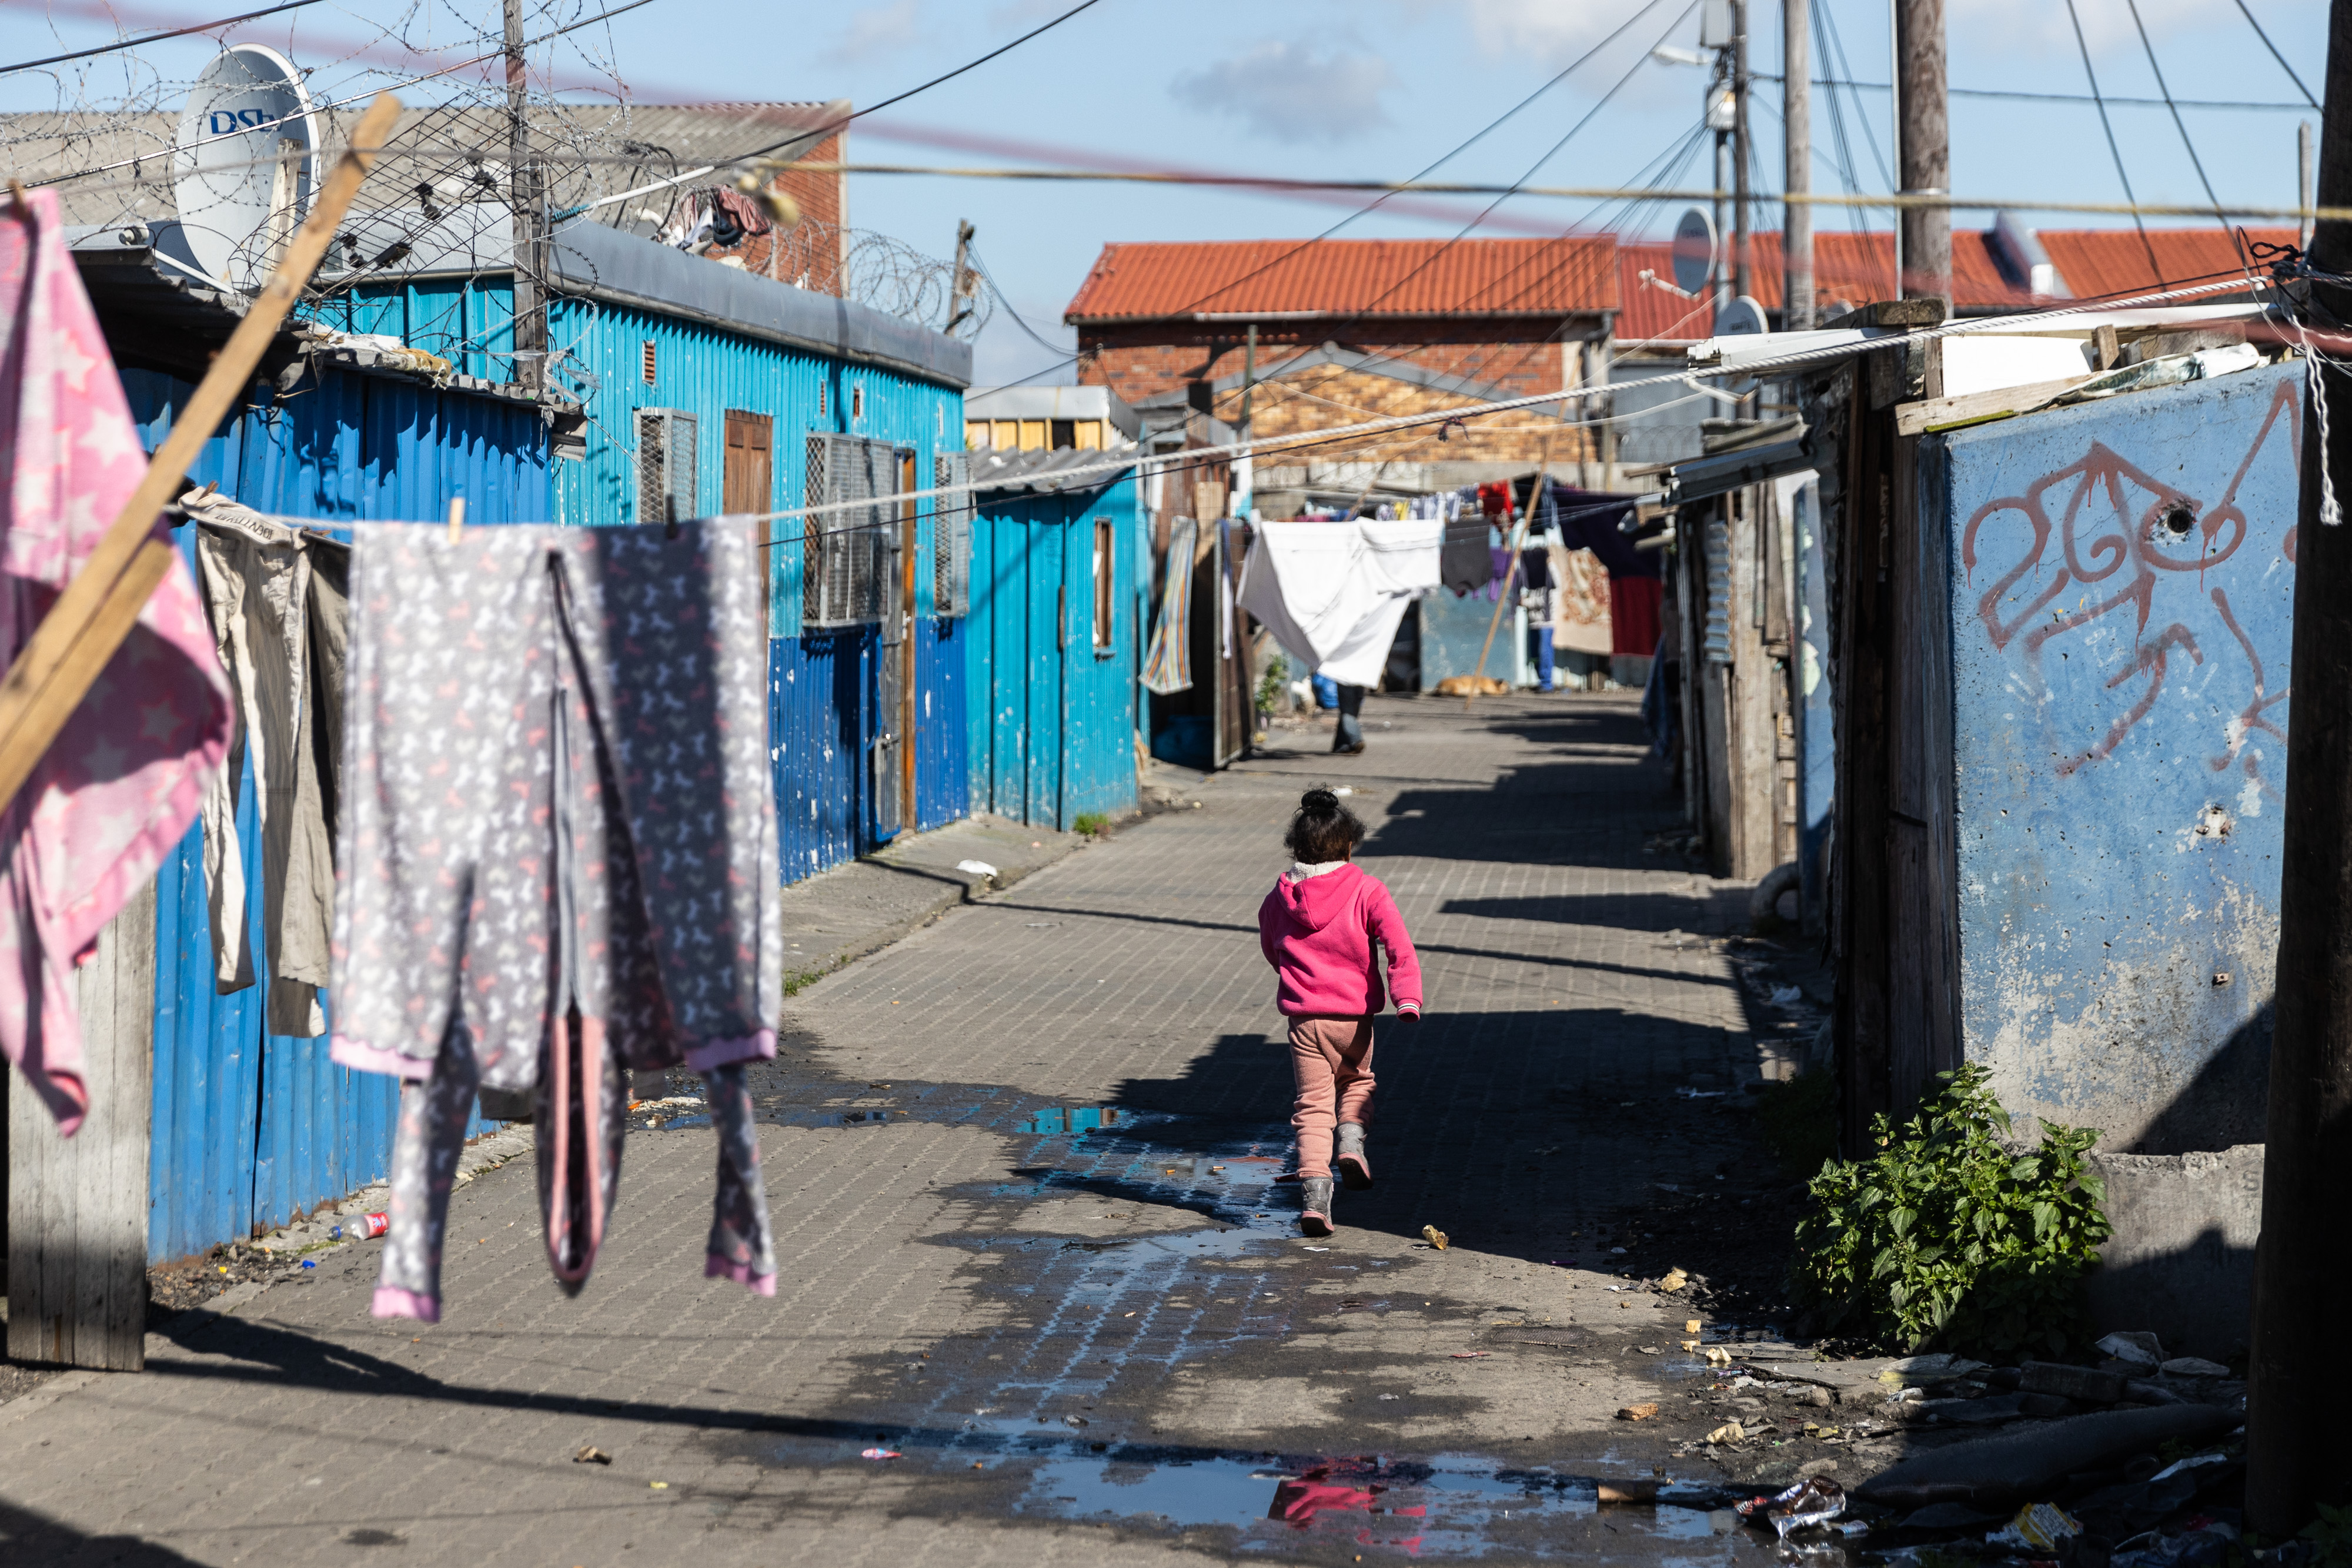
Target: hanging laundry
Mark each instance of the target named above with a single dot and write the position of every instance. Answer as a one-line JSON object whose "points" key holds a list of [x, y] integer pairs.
{"points": [[1633, 615], [1168, 668], [1580, 599], [271, 628], [557, 857], [1333, 595], [1465, 563], [123, 781]]}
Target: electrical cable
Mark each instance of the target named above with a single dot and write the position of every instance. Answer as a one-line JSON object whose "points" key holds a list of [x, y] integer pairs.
{"points": [[2194, 161], [2281, 58], [820, 133], [1558, 77], [2019, 96], [2117, 152], [153, 38]]}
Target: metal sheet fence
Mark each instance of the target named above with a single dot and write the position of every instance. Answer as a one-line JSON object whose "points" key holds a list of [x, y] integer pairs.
{"points": [[249, 1126]]}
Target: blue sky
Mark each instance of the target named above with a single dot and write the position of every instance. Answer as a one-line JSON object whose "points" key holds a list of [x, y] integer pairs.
{"points": [[1368, 89]]}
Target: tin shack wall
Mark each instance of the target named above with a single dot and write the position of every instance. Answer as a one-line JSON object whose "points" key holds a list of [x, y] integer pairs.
{"points": [[822, 683], [250, 1127], [1052, 710], [2120, 617]]}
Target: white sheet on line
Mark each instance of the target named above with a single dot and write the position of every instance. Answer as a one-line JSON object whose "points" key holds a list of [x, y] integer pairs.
{"points": [[1333, 593]]}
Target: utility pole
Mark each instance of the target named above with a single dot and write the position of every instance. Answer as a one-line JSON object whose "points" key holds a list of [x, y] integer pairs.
{"points": [[1924, 150], [1797, 120], [1742, 282], [2294, 1455], [963, 284], [530, 242]]}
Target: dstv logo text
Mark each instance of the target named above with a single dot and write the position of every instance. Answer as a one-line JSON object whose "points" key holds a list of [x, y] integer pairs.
{"points": [[226, 121]]}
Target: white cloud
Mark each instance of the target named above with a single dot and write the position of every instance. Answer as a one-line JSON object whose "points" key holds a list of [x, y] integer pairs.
{"points": [[877, 30], [2008, 25], [1291, 93], [1544, 28]]}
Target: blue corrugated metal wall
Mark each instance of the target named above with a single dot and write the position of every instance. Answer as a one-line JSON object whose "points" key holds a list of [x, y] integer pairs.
{"points": [[821, 683], [250, 1127], [1051, 716]]}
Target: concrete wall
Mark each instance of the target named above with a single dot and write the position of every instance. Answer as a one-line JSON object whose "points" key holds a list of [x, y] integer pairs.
{"points": [[2181, 1263], [2121, 586]]}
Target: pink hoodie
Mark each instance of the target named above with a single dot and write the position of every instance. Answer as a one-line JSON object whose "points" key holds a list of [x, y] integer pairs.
{"points": [[1317, 932]]}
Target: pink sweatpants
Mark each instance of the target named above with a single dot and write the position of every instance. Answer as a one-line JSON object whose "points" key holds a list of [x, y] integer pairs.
{"points": [[1331, 1062]]}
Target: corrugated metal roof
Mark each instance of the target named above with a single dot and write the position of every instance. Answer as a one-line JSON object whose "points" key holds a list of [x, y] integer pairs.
{"points": [[1374, 277], [2112, 263], [1039, 470]]}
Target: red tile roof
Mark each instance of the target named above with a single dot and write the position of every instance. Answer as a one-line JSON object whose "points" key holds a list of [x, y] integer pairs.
{"points": [[1854, 268], [1372, 277], [2112, 263]]}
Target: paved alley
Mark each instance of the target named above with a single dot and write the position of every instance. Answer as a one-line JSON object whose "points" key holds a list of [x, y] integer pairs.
{"points": [[1022, 1167]]}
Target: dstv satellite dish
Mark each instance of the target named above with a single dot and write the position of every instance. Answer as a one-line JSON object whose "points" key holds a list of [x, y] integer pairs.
{"points": [[242, 164], [1694, 250], [1743, 317]]}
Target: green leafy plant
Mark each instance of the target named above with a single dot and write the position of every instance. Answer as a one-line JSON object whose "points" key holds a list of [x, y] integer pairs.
{"points": [[1090, 823], [1271, 683], [1947, 1238]]}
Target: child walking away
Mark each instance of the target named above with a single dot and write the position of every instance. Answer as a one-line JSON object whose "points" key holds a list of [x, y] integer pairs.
{"points": [[1323, 928]]}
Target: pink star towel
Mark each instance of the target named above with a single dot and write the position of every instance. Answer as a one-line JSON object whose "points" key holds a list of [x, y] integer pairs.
{"points": [[124, 777]]}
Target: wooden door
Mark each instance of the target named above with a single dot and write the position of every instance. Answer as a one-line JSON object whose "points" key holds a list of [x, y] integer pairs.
{"points": [[747, 484]]}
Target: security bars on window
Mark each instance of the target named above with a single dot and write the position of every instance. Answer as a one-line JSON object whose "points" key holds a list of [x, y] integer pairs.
{"points": [[951, 537], [843, 553]]}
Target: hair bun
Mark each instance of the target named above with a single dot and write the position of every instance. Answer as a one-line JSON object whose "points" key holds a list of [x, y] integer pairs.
{"points": [[1318, 800]]}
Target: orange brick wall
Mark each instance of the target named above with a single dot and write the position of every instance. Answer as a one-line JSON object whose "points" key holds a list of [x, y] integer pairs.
{"points": [[1142, 359]]}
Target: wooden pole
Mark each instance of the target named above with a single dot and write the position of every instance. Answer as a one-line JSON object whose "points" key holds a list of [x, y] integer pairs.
{"points": [[524, 199], [1511, 572], [1923, 138], [2294, 1444], [1743, 280], [1797, 133], [100, 605]]}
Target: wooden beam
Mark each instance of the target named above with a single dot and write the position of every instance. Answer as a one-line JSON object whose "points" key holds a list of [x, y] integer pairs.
{"points": [[100, 605], [1978, 408]]}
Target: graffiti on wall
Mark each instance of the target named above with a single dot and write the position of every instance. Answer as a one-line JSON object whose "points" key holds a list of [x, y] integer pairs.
{"points": [[2134, 544]]}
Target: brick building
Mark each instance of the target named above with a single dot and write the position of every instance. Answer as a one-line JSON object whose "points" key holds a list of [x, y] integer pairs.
{"points": [[1351, 330]]}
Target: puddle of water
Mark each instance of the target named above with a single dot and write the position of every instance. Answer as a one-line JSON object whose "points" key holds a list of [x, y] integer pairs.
{"points": [[1051, 1121]]}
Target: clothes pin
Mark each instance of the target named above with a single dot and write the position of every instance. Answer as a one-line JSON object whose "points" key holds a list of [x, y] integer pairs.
{"points": [[457, 517]]}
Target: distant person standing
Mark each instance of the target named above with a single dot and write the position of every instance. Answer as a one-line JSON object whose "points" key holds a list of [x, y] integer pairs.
{"points": [[1347, 737], [1324, 928]]}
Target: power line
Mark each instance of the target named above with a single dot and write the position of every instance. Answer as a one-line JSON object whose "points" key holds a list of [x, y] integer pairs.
{"points": [[818, 134], [2195, 162], [2281, 58], [2020, 95], [2114, 151], [154, 38]]}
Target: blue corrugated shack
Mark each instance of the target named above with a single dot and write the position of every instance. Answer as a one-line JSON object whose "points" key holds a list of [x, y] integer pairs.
{"points": [[2059, 839], [703, 388], [1055, 641], [250, 1128]]}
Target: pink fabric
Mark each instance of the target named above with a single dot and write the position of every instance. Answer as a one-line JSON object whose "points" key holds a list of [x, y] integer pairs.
{"points": [[392, 1302], [714, 1266], [1331, 1062], [124, 777], [1319, 931]]}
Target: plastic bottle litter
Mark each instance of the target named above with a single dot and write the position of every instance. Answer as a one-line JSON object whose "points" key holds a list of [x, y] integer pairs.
{"points": [[1815, 1500], [876, 1453], [368, 1226]]}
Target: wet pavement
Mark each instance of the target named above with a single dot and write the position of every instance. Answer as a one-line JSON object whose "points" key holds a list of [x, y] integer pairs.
{"points": [[1041, 1298]]}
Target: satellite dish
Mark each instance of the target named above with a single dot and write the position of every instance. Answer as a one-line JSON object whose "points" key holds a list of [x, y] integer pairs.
{"points": [[239, 201], [1694, 251], [1743, 317]]}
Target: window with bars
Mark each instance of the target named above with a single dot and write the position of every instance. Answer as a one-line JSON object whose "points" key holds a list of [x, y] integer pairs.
{"points": [[665, 466], [843, 552], [1105, 557], [951, 537]]}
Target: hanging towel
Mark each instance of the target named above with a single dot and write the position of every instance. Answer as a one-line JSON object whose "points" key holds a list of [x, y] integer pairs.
{"points": [[1168, 667], [123, 781], [1334, 594], [557, 849]]}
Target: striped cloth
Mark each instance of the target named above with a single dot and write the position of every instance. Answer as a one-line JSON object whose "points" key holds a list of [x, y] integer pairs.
{"points": [[1169, 668]]}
